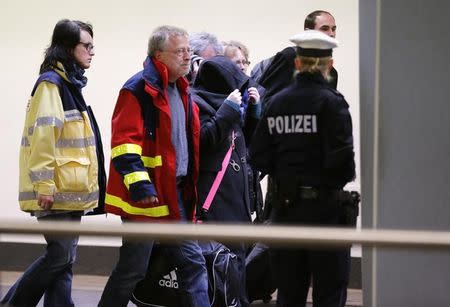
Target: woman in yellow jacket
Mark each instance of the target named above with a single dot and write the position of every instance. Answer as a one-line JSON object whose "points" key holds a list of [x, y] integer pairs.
{"points": [[62, 175]]}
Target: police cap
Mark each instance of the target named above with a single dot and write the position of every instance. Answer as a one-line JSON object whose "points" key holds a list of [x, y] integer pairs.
{"points": [[313, 43]]}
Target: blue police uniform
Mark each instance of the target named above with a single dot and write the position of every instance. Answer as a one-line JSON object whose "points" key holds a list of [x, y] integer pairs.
{"points": [[304, 142]]}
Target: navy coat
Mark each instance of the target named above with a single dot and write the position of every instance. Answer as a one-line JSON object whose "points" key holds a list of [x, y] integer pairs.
{"points": [[216, 79], [306, 135]]}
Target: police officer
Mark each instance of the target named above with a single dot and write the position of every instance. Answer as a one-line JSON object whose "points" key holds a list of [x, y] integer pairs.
{"points": [[304, 141]]}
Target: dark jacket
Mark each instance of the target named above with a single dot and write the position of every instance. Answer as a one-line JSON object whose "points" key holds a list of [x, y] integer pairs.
{"points": [[306, 134], [216, 79], [280, 73]]}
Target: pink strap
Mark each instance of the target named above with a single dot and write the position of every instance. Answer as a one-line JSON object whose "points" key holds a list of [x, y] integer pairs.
{"points": [[219, 176]]}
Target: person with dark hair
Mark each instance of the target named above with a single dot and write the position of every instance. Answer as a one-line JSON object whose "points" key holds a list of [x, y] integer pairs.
{"points": [[154, 167], [322, 21], [62, 174], [304, 142], [277, 72], [221, 90]]}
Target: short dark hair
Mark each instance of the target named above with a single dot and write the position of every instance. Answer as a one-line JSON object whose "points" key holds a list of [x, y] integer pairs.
{"points": [[310, 20], [66, 36]]}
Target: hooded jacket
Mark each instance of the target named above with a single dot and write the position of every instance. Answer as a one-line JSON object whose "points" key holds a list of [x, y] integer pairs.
{"points": [[217, 77]]}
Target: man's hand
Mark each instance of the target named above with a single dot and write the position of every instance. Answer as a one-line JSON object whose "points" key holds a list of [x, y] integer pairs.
{"points": [[45, 201], [148, 200]]}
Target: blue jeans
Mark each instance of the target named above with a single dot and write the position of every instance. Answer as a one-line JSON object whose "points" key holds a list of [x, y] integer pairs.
{"points": [[192, 274], [130, 269], [133, 264], [51, 274]]}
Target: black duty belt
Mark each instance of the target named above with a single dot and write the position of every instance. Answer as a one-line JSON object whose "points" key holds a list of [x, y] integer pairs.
{"points": [[308, 193], [315, 193]]}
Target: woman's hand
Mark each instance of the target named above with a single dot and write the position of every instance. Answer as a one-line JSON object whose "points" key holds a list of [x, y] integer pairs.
{"points": [[253, 95], [45, 201], [235, 96]]}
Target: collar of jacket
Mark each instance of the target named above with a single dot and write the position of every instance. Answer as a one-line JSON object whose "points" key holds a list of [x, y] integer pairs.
{"points": [[308, 77], [60, 70], [156, 75], [207, 101]]}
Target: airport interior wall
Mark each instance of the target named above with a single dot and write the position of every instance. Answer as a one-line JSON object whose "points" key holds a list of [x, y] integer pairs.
{"points": [[121, 31], [405, 147]]}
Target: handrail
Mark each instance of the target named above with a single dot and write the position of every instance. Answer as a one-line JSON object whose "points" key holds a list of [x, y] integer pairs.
{"points": [[270, 234]]}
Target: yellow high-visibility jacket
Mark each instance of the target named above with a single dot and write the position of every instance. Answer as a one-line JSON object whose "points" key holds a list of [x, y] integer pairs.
{"points": [[58, 150]]}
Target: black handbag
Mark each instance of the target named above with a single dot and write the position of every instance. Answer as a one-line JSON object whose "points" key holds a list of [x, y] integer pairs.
{"points": [[160, 287], [223, 274]]}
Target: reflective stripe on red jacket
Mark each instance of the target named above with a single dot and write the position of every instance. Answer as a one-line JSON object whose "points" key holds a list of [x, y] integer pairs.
{"points": [[143, 158]]}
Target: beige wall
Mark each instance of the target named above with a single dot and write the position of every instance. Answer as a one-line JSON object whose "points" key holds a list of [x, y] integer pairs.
{"points": [[121, 30]]}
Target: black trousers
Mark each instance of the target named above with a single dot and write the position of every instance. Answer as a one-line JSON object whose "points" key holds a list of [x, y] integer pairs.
{"points": [[296, 269], [240, 249]]}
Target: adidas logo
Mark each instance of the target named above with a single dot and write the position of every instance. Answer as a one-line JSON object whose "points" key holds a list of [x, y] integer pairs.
{"points": [[169, 280]]}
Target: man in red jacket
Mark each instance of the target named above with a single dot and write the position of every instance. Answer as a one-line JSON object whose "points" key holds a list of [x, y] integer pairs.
{"points": [[154, 165]]}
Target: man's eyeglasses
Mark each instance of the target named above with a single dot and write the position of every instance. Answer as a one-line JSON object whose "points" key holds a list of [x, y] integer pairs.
{"points": [[88, 46], [181, 51]]}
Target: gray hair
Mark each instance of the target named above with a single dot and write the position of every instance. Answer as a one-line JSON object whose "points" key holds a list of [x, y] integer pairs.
{"points": [[199, 41], [160, 36]]}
